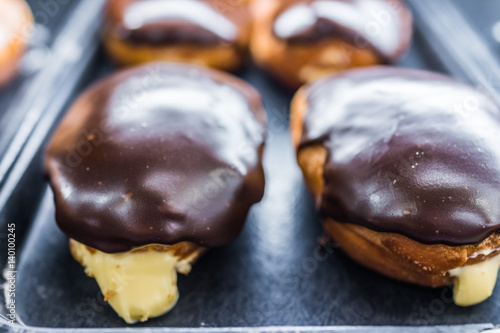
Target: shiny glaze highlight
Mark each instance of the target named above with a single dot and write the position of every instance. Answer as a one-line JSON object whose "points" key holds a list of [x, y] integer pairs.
{"points": [[166, 22]]}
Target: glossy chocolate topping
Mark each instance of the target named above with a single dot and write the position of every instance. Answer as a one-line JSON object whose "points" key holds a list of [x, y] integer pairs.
{"points": [[159, 154], [164, 22], [410, 152], [383, 25]]}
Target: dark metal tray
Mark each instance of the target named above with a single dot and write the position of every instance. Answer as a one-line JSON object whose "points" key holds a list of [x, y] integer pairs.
{"points": [[23, 101], [274, 277]]}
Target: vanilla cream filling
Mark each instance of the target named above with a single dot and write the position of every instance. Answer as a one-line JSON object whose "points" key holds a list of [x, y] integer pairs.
{"points": [[138, 285], [475, 283]]}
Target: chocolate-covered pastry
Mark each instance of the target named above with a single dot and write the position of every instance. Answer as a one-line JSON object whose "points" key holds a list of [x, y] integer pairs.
{"points": [[16, 24], [405, 168], [298, 41], [202, 32], [162, 159]]}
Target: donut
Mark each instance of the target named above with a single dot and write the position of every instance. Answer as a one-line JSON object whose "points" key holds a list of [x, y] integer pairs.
{"points": [[202, 32], [16, 24], [149, 168], [298, 41], [404, 167]]}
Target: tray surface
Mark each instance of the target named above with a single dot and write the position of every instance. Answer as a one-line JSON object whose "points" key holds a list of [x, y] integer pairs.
{"points": [[15, 98], [274, 274]]}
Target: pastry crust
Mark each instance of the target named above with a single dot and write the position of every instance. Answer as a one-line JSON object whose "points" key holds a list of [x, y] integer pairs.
{"points": [[223, 57], [15, 29], [391, 254]]}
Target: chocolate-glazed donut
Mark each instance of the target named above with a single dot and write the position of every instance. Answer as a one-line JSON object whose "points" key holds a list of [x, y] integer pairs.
{"points": [[301, 40], [157, 137], [164, 160], [405, 168], [16, 24], [203, 32]]}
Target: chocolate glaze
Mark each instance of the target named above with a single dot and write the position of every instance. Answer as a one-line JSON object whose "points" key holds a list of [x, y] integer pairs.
{"points": [[166, 22], [410, 152], [159, 154], [383, 25]]}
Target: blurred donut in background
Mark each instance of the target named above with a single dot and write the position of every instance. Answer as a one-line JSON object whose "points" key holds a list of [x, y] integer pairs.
{"points": [[212, 33], [298, 41], [16, 25]]}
